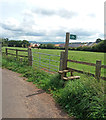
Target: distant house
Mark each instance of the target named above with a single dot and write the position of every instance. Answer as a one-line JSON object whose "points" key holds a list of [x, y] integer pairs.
{"points": [[56, 45], [70, 45], [61, 45], [90, 44], [74, 45], [34, 45]]}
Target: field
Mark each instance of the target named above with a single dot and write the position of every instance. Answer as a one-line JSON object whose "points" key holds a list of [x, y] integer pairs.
{"points": [[84, 56]]}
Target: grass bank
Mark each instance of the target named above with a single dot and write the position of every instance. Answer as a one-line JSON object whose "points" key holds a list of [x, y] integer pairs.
{"points": [[83, 98]]}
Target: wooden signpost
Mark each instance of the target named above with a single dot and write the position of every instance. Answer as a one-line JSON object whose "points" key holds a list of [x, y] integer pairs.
{"points": [[63, 59], [68, 37]]}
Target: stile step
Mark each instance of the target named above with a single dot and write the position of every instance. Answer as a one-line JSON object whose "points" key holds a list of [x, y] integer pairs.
{"points": [[64, 71], [60, 72], [71, 77]]}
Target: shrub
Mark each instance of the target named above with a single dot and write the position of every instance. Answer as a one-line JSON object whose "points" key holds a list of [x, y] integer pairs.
{"points": [[100, 47], [83, 98], [50, 46]]}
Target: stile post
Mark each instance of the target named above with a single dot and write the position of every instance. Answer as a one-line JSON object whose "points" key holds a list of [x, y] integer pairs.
{"points": [[62, 54], [66, 50], [98, 70], [61, 67], [30, 56], [6, 51]]}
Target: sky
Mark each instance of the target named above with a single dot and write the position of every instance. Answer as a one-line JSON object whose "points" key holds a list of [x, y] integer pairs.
{"points": [[49, 20]]}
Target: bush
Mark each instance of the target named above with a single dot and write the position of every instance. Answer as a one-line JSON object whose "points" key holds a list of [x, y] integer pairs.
{"points": [[50, 46], [83, 98], [44, 46], [100, 47]]}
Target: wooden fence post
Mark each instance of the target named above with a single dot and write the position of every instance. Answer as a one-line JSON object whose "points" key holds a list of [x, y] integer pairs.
{"points": [[66, 50], [62, 54], [98, 70], [29, 56], [16, 53], [6, 52]]}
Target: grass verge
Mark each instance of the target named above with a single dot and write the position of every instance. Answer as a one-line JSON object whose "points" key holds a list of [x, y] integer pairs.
{"points": [[83, 98]]}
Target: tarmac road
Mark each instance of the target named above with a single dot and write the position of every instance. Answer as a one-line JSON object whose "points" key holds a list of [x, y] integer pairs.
{"points": [[21, 99]]}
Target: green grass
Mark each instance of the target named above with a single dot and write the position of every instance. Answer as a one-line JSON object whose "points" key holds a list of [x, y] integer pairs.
{"points": [[84, 56], [82, 98]]}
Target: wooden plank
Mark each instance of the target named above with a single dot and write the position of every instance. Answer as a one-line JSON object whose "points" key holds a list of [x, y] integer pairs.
{"points": [[18, 55], [60, 72], [71, 77], [17, 50], [86, 63], [64, 71], [23, 50]]}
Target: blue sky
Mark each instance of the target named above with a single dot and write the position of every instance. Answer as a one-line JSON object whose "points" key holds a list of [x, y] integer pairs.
{"points": [[49, 20]]}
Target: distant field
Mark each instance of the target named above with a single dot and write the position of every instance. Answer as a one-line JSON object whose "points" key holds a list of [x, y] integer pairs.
{"points": [[84, 56]]}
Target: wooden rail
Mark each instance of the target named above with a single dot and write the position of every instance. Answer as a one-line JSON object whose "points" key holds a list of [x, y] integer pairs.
{"points": [[98, 67], [18, 50], [85, 63], [17, 55], [29, 56], [80, 62], [87, 73]]}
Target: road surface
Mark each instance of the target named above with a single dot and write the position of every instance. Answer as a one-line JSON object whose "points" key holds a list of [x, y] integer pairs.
{"points": [[22, 99]]}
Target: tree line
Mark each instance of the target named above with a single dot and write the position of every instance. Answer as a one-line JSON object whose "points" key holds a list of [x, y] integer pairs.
{"points": [[14, 43], [100, 45]]}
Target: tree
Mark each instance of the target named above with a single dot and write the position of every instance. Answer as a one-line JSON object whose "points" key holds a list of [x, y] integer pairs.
{"points": [[25, 43], [50, 46], [100, 47], [98, 40], [18, 43]]}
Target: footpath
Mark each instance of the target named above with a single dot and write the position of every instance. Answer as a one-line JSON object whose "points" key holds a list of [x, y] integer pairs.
{"points": [[22, 99]]}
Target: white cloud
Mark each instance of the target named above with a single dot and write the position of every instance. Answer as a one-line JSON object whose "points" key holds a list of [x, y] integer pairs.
{"points": [[43, 20]]}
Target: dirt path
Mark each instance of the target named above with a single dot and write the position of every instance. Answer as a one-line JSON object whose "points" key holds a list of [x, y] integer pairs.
{"points": [[22, 99]]}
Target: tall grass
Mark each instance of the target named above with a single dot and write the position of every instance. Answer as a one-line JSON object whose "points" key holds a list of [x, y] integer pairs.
{"points": [[83, 98]]}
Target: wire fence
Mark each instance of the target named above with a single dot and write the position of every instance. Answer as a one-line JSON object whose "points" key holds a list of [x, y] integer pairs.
{"points": [[45, 61]]}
